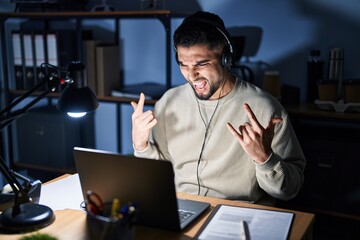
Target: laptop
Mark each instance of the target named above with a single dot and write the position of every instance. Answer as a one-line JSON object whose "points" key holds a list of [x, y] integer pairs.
{"points": [[147, 182]]}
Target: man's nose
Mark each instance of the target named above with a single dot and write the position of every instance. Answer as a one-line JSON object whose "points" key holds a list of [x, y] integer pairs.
{"points": [[192, 74]]}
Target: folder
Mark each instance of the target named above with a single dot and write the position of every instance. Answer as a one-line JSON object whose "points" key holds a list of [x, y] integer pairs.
{"points": [[52, 53], [39, 56], [29, 60], [18, 60]]}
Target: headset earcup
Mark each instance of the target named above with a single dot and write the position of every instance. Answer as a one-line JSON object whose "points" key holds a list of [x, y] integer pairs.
{"points": [[176, 58], [226, 59]]}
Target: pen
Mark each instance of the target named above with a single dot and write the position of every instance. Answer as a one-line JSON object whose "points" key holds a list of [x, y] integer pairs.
{"points": [[115, 208]]}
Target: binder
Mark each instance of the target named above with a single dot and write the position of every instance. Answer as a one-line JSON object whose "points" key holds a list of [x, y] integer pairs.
{"points": [[39, 56], [51, 49], [29, 60], [18, 60], [108, 74]]}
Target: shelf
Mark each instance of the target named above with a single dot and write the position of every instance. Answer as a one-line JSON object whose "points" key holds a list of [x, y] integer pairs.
{"points": [[103, 15], [101, 99], [310, 110]]}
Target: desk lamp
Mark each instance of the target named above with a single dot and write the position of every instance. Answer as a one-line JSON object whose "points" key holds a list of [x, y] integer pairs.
{"points": [[76, 99]]}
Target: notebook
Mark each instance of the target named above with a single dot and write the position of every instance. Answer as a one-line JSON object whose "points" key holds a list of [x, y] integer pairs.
{"points": [[148, 182]]}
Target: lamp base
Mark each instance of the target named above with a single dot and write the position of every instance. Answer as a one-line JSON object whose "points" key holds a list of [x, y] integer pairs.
{"points": [[7, 199], [31, 217]]}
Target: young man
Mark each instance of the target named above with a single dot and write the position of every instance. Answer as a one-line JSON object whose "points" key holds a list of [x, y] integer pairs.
{"points": [[225, 137]]}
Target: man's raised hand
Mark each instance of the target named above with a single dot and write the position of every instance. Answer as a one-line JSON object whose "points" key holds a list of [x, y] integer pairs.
{"points": [[142, 123], [254, 138]]}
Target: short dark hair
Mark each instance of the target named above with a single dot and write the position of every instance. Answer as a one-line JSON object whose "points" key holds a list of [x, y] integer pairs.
{"points": [[201, 27]]}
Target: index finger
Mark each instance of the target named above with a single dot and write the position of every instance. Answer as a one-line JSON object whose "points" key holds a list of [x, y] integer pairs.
{"points": [[253, 120], [140, 104]]}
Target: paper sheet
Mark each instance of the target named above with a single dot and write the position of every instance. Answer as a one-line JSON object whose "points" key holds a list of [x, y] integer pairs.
{"points": [[231, 222], [65, 193]]}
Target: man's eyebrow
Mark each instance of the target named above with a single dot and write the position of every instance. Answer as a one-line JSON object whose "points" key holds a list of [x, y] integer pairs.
{"points": [[198, 62], [202, 61]]}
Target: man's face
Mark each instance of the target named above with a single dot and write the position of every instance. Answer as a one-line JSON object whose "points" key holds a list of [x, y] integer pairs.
{"points": [[202, 68]]}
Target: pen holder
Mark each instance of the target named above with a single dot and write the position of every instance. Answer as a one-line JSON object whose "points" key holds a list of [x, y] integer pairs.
{"points": [[108, 228]]}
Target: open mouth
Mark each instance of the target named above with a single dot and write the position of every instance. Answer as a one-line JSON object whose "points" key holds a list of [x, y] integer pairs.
{"points": [[200, 86]]}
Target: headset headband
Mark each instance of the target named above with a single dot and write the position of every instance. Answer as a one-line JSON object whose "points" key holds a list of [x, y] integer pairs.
{"points": [[214, 24]]}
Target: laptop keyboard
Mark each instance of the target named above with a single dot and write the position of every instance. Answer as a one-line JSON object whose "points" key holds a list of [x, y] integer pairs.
{"points": [[183, 215]]}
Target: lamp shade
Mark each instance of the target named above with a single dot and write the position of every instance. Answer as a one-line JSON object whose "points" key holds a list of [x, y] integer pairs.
{"points": [[77, 100]]}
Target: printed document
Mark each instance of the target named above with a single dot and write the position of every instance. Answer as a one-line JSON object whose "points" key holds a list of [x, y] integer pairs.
{"points": [[231, 222]]}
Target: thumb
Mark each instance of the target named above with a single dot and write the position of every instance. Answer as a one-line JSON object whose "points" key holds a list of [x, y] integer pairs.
{"points": [[134, 105], [273, 122]]}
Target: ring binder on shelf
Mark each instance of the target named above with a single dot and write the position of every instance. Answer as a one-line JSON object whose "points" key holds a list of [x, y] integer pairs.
{"points": [[17, 60], [39, 56], [52, 54], [29, 60]]}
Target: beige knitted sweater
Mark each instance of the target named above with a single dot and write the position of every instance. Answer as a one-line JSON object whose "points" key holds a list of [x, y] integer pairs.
{"points": [[225, 170]]}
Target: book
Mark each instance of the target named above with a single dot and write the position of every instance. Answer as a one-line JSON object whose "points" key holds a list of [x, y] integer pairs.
{"points": [[150, 89], [89, 59], [107, 74]]}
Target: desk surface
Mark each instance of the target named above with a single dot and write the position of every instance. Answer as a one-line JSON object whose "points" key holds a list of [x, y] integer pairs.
{"points": [[70, 224]]}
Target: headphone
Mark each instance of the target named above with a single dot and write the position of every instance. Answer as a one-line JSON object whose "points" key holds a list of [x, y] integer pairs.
{"points": [[226, 58]]}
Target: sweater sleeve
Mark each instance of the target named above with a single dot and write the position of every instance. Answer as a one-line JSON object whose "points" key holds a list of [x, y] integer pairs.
{"points": [[281, 176], [150, 152]]}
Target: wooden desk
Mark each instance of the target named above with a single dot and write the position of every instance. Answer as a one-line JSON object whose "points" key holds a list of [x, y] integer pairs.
{"points": [[71, 224]]}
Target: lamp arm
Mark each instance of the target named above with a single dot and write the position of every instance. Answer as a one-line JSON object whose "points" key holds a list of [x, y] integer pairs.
{"points": [[22, 97], [21, 195], [6, 116], [52, 81]]}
